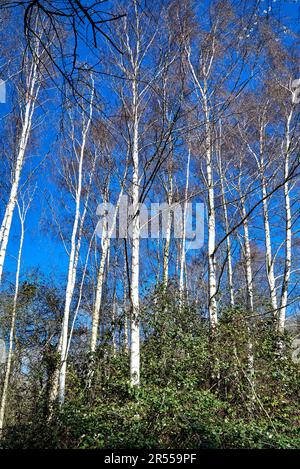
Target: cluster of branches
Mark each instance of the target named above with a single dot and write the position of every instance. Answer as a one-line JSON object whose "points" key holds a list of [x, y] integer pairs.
{"points": [[82, 22]]}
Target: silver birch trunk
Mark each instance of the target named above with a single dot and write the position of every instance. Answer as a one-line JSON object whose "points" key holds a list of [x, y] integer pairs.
{"points": [[248, 263], [183, 253], [107, 232], [268, 243], [249, 288], [31, 97], [135, 264], [73, 261], [226, 221], [126, 341], [114, 322], [288, 229], [99, 290], [12, 325], [212, 284], [166, 254]]}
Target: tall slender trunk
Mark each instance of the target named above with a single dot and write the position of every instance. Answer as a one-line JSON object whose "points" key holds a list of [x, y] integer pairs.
{"points": [[177, 261], [12, 328], [166, 254], [54, 389], [98, 299], [31, 97], [268, 242], [228, 247], [125, 313], [3, 226], [73, 261], [226, 221], [183, 253], [107, 232], [70, 289], [288, 229], [114, 322], [169, 195], [248, 263], [212, 284], [135, 323], [249, 288]]}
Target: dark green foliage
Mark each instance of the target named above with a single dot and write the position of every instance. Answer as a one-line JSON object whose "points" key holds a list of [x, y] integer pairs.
{"points": [[178, 405]]}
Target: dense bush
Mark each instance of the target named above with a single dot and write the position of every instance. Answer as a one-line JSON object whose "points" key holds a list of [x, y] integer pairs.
{"points": [[179, 405]]}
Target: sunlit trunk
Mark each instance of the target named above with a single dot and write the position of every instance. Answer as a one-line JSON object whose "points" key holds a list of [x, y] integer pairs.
{"points": [[212, 284], [12, 326], [73, 258], [31, 97], [125, 311], [248, 263], [166, 254], [183, 252], [226, 221], [288, 230], [99, 290], [135, 264]]}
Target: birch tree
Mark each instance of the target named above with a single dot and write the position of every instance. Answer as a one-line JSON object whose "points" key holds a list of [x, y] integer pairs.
{"points": [[23, 207], [28, 101], [287, 150], [143, 138], [226, 217], [183, 240], [79, 149]]}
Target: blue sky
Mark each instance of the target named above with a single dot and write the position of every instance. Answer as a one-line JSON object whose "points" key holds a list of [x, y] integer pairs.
{"points": [[41, 248]]}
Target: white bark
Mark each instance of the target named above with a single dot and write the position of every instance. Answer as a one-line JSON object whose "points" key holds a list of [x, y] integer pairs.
{"points": [[22, 216], [30, 102], [183, 252], [288, 228], [80, 294], [135, 263], [126, 341], [226, 221], [166, 254], [249, 291], [3, 226], [212, 284], [105, 245], [99, 289], [73, 258], [268, 242], [114, 322], [248, 263], [269, 256]]}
